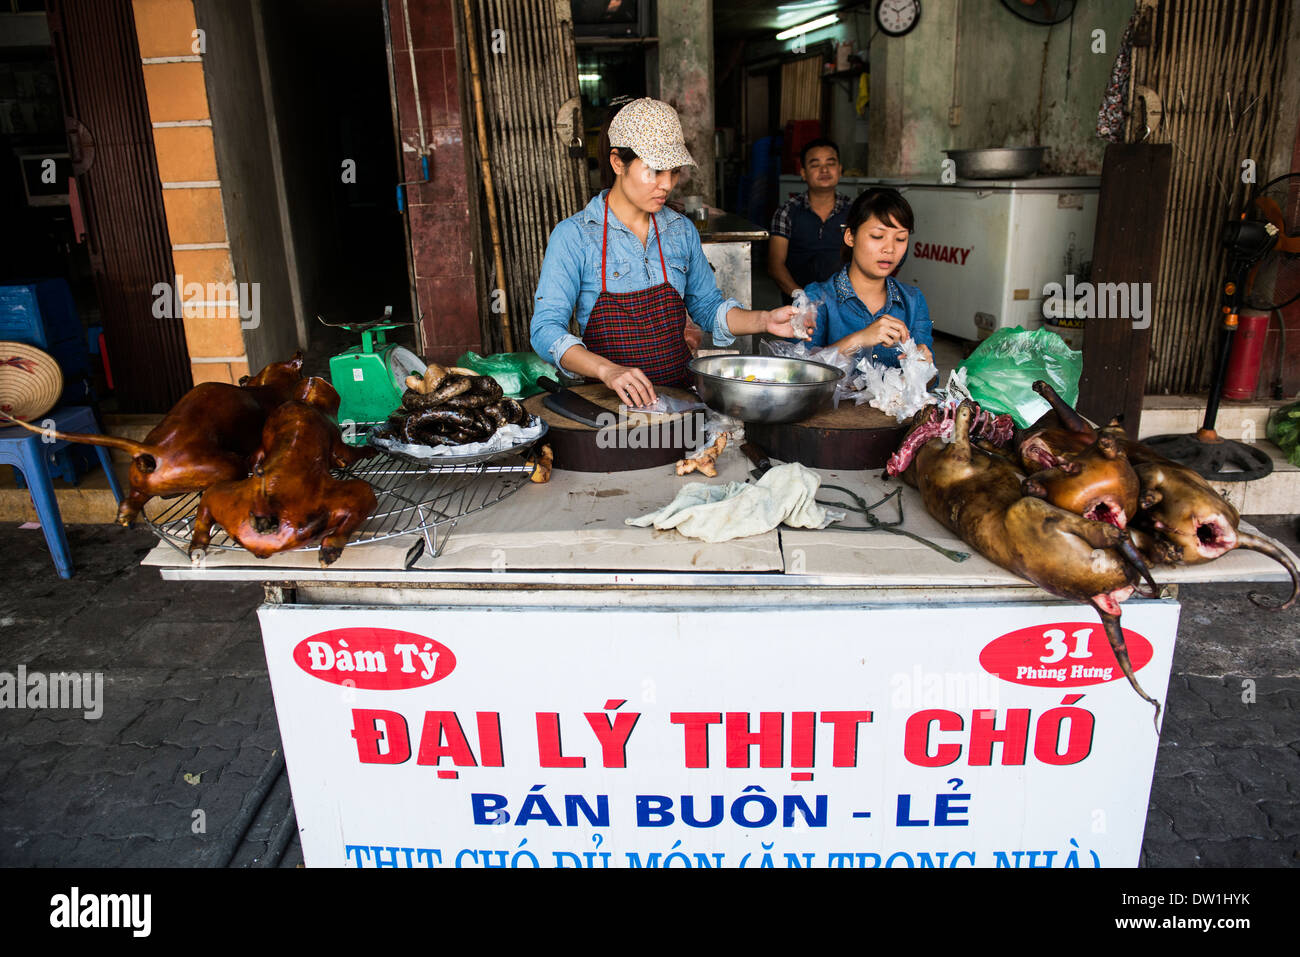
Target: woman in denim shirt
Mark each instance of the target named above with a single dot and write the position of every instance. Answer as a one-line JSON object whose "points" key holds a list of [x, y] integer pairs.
{"points": [[634, 270], [862, 308]]}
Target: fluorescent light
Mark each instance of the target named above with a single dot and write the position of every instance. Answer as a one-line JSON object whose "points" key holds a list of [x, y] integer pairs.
{"points": [[788, 13], [590, 77], [808, 27]]}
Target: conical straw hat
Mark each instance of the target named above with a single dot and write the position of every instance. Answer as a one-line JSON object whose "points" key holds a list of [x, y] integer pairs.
{"points": [[30, 381]]}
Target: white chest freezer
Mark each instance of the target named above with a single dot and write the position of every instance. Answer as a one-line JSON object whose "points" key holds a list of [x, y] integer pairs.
{"points": [[983, 250]]}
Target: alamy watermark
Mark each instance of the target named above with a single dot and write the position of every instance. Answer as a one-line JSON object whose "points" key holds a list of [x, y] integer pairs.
{"points": [[943, 689], [76, 909], [218, 300], [35, 689], [1104, 300]]}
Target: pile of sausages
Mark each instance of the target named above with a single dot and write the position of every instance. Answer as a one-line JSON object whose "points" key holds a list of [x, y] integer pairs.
{"points": [[450, 407]]}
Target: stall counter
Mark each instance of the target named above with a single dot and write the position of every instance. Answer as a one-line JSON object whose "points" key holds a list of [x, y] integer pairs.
{"points": [[558, 689]]}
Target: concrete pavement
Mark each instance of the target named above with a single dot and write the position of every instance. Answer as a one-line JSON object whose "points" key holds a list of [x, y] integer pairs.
{"points": [[183, 767]]}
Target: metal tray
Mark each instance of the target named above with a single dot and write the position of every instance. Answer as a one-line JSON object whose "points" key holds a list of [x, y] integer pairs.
{"points": [[453, 458], [412, 498], [1012, 162]]}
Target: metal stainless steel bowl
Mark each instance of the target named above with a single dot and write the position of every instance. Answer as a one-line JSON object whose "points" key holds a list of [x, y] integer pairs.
{"points": [[1011, 162], [783, 390]]}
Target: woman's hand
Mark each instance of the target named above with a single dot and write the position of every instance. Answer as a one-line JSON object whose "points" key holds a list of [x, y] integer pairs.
{"points": [[630, 385], [778, 323], [885, 331], [925, 352]]}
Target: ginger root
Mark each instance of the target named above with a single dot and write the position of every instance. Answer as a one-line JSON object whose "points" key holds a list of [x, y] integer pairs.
{"points": [[541, 463], [705, 461], [426, 384]]}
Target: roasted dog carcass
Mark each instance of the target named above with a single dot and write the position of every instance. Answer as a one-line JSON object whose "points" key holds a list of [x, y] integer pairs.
{"points": [[208, 435], [1180, 518], [291, 499], [979, 497], [1097, 482]]}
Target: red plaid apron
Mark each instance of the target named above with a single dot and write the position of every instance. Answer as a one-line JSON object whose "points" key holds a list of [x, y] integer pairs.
{"points": [[641, 329]]}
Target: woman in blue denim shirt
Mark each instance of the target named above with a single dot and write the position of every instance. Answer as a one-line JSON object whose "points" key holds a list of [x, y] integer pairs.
{"points": [[862, 307], [634, 270]]}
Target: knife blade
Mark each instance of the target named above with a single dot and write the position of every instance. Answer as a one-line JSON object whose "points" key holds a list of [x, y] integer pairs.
{"points": [[569, 404], [758, 457]]}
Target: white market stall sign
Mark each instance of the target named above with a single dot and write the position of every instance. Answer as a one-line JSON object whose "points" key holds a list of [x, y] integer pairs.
{"points": [[988, 736]]}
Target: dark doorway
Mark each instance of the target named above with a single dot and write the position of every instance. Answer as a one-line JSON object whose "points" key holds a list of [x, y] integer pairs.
{"points": [[37, 238], [302, 123], [330, 83]]}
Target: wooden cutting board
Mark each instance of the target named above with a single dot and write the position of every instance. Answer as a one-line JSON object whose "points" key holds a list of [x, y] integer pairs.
{"points": [[850, 437], [644, 441]]}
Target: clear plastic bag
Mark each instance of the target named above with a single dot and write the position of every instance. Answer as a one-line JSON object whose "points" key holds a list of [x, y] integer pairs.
{"points": [[827, 356], [898, 392], [667, 405], [956, 391], [1001, 372], [804, 318], [799, 350]]}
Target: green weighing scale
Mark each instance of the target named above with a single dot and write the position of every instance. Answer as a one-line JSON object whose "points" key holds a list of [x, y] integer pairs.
{"points": [[370, 378]]}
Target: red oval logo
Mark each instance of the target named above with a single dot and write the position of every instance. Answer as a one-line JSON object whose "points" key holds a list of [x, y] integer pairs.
{"points": [[376, 659], [1067, 654]]}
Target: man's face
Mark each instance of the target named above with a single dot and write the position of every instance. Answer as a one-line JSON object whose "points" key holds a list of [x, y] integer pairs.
{"points": [[821, 169]]}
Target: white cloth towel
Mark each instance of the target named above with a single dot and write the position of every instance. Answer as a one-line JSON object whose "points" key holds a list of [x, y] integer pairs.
{"points": [[719, 513]]}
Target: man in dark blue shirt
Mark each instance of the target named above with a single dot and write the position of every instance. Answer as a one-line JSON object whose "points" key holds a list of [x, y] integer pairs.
{"points": [[807, 230]]}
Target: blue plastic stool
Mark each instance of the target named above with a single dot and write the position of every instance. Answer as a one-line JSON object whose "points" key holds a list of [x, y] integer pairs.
{"points": [[33, 456]]}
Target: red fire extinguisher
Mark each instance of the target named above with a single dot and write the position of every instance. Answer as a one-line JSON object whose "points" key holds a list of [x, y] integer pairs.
{"points": [[1247, 355]]}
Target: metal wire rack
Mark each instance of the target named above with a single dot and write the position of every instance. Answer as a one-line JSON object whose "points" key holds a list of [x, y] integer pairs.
{"points": [[412, 499]]}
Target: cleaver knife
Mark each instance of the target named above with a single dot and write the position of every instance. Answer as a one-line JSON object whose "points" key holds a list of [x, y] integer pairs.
{"points": [[573, 406], [756, 455]]}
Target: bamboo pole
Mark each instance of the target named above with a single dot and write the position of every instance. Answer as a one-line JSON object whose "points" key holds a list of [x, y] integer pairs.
{"points": [[537, 183], [506, 159], [578, 184], [1164, 38], [1198, 41], [527, 112], [1219, 203], [485, 167], [493, 106], [1204, 182], [1204, 57]]}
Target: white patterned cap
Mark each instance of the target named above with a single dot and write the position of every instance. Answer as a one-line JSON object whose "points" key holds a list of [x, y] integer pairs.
{"points": [[651, 129]]}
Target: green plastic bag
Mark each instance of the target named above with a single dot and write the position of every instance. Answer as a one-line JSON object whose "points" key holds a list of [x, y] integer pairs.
{"points": [[516, 372], [1001, 372], [1284, 431]]}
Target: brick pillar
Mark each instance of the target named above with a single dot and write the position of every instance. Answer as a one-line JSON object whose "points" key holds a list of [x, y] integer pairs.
{"points": [[187, 167], [442, 241]]}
